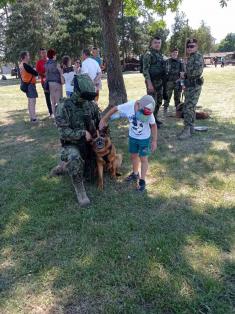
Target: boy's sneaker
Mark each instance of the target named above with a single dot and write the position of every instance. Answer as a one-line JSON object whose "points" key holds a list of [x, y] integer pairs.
{"points": [[132, 177], [142, 185]]}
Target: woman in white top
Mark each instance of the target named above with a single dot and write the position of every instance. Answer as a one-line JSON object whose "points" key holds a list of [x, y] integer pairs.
{"points": [[68, 74]]}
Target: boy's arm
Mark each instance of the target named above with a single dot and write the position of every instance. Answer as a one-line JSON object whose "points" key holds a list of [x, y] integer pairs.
{"points": [[154, 137], [104, 120]]}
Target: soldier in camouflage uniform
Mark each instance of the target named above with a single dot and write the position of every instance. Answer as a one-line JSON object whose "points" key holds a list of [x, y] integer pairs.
{"points": [[154, 72], [76, 118], [173, 69], [193, 84]]}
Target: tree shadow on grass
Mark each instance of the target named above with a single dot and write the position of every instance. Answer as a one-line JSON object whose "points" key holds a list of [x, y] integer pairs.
{"points": [[113, 257], [126, 253]]}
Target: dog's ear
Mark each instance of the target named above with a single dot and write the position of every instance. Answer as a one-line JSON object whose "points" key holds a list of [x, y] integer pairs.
{"points": [[104, 131], [95, 134]]}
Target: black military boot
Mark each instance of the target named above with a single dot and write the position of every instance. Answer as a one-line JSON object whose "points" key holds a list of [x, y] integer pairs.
{"points": [[82, 197]]}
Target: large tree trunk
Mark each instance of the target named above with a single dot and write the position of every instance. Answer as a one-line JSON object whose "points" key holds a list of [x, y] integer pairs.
{"points": [[109, 10]]}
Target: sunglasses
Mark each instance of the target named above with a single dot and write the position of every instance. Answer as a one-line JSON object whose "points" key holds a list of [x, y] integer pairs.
{"points": [[191, 46]]}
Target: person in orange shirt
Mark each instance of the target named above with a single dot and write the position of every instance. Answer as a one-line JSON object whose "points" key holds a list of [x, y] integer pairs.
{"points": [[28, 76]]}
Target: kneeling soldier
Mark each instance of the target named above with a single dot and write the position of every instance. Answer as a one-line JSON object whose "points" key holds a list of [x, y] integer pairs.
{"points": [[76, 118]]}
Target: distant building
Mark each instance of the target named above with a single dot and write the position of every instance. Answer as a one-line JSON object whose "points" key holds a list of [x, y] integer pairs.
{"points": [[229, 57]]}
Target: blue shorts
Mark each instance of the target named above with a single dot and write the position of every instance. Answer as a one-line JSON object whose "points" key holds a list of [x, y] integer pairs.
{"points": [[32, 92], [141, 147]]}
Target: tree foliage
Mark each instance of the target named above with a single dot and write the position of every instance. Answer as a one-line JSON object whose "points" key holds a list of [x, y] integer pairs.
{"points": [[227, 44], [204, 37], [76, 25], [26, 27], [181, 31]]}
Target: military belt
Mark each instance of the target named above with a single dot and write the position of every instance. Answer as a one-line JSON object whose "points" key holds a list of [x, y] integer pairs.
{"points": [[65, 143]]}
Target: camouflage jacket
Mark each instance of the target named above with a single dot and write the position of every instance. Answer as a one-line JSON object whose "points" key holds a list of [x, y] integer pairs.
{"points": [[153, 65], [195, 65], [173, 69], [74, 118]]}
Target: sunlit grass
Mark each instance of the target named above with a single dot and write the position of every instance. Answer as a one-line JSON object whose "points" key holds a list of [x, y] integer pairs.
{"points": [[167, 251]]}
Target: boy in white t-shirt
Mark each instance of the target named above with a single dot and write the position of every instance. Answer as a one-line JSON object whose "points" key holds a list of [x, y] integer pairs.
{"points": [[142, 126], [68, 74]]}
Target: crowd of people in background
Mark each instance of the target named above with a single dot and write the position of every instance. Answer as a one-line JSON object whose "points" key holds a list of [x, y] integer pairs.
{"points": [[163, 77], [54, 75]]}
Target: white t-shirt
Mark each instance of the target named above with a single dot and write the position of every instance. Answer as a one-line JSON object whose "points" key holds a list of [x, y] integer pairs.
{"points": [[91, 67], [68, 77], [137, 129]]}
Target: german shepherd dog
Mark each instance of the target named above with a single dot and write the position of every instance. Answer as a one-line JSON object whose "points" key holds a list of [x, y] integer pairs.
{"points": [[106, 156]]}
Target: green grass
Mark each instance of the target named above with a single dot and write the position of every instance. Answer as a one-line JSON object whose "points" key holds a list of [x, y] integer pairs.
{"points": [[168, 251]]}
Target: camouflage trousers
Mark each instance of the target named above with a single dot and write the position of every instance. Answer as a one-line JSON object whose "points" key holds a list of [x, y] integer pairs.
{"points": [[74, 162], [157, 94], [192, 95], [79, 162], [171, 87]]}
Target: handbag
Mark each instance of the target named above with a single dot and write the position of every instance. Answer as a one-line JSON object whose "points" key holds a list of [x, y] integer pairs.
{"points": [[24, 86], [46, 86]]}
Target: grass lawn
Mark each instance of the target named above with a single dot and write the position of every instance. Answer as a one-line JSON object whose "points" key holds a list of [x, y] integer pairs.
{"points": [[168, 251]]}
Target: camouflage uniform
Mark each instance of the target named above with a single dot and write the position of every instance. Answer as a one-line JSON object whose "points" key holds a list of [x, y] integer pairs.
{"points": [[154, 70], [74, 116], [193, 84], [173, 69]]}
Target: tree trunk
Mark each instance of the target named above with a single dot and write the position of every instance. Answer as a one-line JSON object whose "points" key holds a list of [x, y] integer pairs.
{"points": [[109, 10]]}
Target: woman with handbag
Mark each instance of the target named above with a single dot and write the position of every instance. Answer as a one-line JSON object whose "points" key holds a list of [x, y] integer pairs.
{"points": [[28, 83], [54, 78]]}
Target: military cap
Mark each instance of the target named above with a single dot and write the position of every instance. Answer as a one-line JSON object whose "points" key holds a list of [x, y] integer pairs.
{"points": [[192, 41]]}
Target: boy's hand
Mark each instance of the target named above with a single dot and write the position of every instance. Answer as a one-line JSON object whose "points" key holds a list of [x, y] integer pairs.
{"points": [[153, 146], [102, 124], [88, 136]]}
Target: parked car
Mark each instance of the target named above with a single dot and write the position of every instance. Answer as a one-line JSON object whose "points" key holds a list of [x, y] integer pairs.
{"points": [[131, 64], [15, 72]]}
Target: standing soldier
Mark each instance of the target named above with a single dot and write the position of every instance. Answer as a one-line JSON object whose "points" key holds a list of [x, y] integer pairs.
{"points": [[173, 69], [193, 83], [154, 72], [77, 118]]}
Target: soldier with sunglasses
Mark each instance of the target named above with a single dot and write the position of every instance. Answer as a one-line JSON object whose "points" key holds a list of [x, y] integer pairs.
{"points": [[193, 86]]}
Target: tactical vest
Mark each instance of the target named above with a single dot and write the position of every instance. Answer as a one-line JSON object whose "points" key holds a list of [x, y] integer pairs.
{"points": [[157, 66], [173, 69]]}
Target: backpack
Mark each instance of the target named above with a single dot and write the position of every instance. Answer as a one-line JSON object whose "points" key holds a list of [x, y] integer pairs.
{"points": [[84, 87]]}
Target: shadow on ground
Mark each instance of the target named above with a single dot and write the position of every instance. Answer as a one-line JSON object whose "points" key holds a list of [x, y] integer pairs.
{"points": [[126, 253]]}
